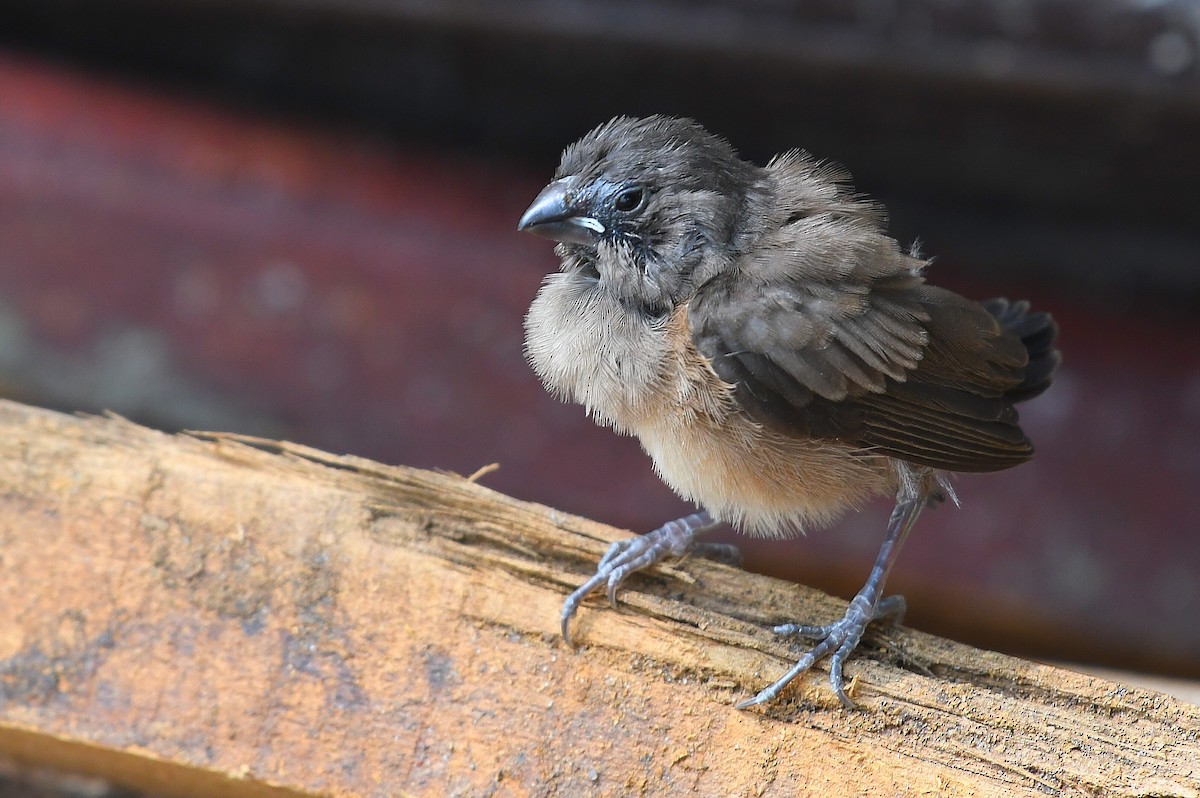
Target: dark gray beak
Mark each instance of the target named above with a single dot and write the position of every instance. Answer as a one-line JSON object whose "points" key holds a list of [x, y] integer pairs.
{"points": [[550, 216]]}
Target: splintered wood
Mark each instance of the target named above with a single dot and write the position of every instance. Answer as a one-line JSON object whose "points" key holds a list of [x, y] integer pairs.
{"points": [[212, 615]]}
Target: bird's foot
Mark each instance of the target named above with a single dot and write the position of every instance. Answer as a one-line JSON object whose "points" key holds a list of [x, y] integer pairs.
{"points": [[836, 641], [674, 539]]}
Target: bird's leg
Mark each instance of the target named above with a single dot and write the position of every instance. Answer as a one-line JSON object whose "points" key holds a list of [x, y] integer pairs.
{"points": [[838, 639], [673, 539]]}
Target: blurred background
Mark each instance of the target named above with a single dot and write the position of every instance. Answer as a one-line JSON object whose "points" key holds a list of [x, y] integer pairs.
{"points": [[296, 218]]}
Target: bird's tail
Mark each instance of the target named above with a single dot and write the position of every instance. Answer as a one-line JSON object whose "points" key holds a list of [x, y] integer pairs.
{"points": [[1037, 332]]}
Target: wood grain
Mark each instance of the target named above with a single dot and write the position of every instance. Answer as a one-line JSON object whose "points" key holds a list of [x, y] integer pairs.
{"points": [[203, 615]]}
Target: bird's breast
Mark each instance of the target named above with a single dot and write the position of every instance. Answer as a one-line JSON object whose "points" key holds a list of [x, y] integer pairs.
{"points": [[586, 347]]}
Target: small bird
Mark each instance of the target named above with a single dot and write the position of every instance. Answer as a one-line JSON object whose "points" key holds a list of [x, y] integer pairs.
{"points": [[779, 356]]}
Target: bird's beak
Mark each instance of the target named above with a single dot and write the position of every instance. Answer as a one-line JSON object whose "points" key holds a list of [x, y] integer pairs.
{"points": [[551, 216]]}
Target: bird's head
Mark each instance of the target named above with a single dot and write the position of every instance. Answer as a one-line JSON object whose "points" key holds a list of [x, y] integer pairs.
{"points": [[650, 208]]}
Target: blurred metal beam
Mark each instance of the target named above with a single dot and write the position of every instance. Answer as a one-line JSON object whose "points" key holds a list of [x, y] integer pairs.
{"points": [[1071, 46]]}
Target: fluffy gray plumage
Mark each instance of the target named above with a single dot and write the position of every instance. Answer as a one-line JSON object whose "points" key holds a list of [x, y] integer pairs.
{"points": [[823, 324]]}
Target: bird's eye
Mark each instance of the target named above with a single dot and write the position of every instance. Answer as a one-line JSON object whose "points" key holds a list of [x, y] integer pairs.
{"points": [[630, 199]]}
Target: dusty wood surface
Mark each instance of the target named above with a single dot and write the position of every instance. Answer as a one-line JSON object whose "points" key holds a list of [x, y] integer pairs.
{"points": [[200, 616]]}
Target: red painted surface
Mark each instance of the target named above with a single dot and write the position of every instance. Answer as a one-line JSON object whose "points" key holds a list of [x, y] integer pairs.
{"points": [[194, 267]]}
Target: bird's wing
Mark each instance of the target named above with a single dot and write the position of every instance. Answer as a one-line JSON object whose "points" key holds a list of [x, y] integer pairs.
{"points": [[867, 355]]}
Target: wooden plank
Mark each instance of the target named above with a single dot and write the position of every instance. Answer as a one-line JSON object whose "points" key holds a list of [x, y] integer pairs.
{"points": [[200, 615]]}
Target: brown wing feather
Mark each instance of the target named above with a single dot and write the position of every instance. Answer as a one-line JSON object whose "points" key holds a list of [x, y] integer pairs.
{"points": [[881, 361]]}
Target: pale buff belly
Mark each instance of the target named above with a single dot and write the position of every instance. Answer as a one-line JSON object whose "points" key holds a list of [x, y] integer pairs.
{"points": [[762, 483]]}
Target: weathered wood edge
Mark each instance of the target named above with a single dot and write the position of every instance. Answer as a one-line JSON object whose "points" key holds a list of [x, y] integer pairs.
{"points": [[687, 640]]}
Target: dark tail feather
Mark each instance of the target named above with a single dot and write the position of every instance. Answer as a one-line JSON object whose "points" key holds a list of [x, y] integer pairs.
{"points": [[1037, 332]]}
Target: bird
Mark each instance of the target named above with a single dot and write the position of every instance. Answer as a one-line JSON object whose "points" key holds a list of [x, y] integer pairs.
{"points": [[779, 356]]}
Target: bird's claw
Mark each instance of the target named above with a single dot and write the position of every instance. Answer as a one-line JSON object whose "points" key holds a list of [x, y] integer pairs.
{"points": [[836, 641], [625, 557], [622, 559]]}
